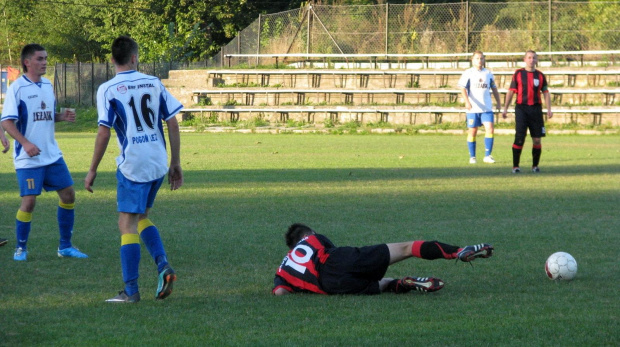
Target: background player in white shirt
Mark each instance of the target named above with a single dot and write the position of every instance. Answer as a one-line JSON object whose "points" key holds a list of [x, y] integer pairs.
{"points": [[136, 104], [28, 115], [475, 84]]}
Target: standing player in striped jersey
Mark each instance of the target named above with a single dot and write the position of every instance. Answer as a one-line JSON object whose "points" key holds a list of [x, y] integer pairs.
{"points": [[528, 83], [476, 84], [315, 265], [29, 116], [136, 105]]}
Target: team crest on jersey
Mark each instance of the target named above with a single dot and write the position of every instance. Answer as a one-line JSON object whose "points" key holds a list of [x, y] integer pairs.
{"points": [[536, 82], [122, 89], [43, 105]]}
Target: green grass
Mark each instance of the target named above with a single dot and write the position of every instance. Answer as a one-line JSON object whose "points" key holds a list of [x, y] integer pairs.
{"points": [[223, 233]]}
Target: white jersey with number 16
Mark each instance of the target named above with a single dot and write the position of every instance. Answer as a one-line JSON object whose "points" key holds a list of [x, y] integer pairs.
{"points": [[136, 105]]}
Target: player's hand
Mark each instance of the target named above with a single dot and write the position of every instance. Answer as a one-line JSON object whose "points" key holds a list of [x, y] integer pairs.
{"points": [[175, 177], [89, 181], [68, 115], [549, 114], [467, 106], [6, 144], [504, 114], [32, 149]]}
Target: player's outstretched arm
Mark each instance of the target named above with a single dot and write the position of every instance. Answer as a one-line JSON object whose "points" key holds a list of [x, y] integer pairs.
{"points": [[175, 173], [101, 144]]}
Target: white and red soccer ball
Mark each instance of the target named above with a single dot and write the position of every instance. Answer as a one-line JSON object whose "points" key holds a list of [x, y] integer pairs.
{"points": [[561, 266]]}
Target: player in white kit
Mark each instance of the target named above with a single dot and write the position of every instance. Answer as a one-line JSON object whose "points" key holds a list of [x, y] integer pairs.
{"points": [[136, 105], [476, 85], [28, 115]]}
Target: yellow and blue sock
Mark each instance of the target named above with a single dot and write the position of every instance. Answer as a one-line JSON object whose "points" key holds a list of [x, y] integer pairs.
{"points": [[152, 241], [471, 144], [130, 262], [488, 144], [22, 228], [66, 217]]}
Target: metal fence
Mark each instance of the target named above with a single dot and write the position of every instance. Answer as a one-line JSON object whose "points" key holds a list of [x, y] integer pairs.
{"points": [[76, 84], [431, 28]]}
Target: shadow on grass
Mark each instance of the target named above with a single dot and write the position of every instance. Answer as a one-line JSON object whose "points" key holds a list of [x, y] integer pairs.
{"points": [[9, 182]]}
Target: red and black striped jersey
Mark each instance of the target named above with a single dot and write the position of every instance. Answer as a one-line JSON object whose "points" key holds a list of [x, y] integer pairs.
{"points": [[528, 85], [299, 271]]}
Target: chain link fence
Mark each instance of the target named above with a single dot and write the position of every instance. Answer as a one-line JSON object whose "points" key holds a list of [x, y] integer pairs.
{"points": [[431, 29], [77, 84], [387, 29]]}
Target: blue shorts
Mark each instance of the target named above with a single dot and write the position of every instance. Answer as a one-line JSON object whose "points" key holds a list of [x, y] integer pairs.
{"points": [[475, 120], [51, 177], [135, 197]]}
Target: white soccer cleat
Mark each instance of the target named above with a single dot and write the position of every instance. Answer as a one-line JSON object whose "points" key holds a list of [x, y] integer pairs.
{"points": [[489, 159]]}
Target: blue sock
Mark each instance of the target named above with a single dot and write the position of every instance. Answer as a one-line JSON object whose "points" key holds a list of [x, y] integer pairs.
{"points": [[152, 241], [22, 228], [130, 262], [471, 144], [66, 217], [488, 145]]}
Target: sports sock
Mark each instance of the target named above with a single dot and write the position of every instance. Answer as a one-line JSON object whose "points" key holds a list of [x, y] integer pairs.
{"points": [[536, 152], [431, 250], [395, 287], [22, 228], [471, 144], [488, 144], [66, 217], [130, 262], [150, 236], [516, 155]]}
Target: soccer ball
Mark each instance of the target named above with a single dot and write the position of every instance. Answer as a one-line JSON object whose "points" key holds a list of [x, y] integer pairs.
{"points": [[561, 266]]}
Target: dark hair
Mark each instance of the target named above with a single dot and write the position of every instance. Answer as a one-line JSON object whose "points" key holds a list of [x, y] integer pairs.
{"points": [[295, 233], [122, 49], [530, 51], [28, 51]]}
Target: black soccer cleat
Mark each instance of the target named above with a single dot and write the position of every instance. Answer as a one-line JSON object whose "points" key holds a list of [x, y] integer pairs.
{"points": [[124, 298], [469, 253], [165, 280], [421, 284]]}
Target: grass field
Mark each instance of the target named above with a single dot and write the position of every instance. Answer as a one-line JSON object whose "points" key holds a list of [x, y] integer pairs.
{"points": [[223, 233]]}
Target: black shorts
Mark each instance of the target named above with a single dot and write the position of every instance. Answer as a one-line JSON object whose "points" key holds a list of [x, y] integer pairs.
{"points": [[352, 270], [529, 117]]}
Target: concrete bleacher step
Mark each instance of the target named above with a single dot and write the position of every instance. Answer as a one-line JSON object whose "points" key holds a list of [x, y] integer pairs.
{"points": [[394, 115]]}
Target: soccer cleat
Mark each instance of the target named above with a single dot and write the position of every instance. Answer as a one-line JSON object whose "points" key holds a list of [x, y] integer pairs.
{"points": [[71, 252], [164, 286], [421, 284], [3, 242], [123, 297], [469, 253], [535, 169], [20, 254], [489, 160], [472, 160], [516, 169]]}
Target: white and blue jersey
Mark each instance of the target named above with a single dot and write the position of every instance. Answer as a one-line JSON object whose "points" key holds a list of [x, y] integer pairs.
{"points": [[32, 107], [478, 84], [136, 104]]}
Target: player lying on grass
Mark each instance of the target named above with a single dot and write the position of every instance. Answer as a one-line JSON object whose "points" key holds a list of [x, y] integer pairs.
{"points": [[315, 265]]}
